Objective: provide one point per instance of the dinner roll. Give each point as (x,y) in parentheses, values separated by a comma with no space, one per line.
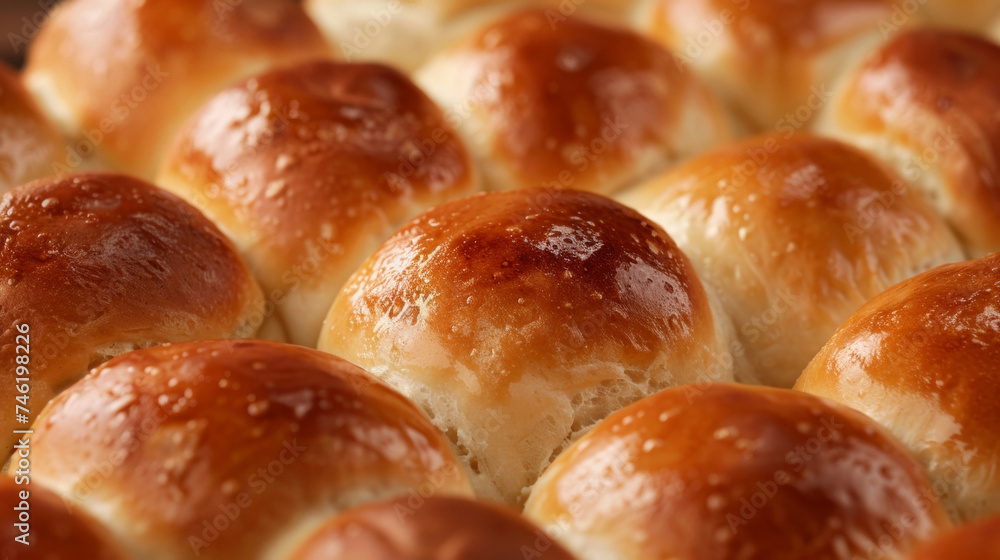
(30,148)
(309,168)
(120,76)
(980,541)
(231,449)
(38,526)
(577,104)
(718,472)
(794,232)
(926,103)
(516,320)
(439,528)
(775,61)
(405,33)
(93,265)
(921,360)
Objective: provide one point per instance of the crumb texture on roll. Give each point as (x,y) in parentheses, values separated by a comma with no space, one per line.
(38,525)
(573,103)
(775,61)
(438,528)
(519,319)
(120,76)
(926,103)
(230,449)
(30,148)
(100,264)
(794,233)
(921,359)
(405,33)
(309,168)
(721,471)
(979,540)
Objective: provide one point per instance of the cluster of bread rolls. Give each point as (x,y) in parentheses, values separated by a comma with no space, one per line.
(501,279)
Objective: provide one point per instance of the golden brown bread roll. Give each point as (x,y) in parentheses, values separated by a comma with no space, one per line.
(979,540)
(30,148)
(233,449)
(921,360)
(926,103)
(38,525)
(120,76)
(93,265)
(717,472)
(516,320)
(775,61)
(795,233)
(577,104)
(438,528)
(405,33)
(309,168)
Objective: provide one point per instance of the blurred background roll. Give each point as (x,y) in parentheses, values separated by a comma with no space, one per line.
(439,528)
(718,471)
(119,77)
(309,168)
(30,147)
(921,359)
(94,265)
(233,449)
(574,104)
(927,104)
(405,33)
(776,62)
(794,233)
(517,320)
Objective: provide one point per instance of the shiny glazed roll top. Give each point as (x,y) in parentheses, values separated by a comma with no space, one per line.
(440,528)
(94,265)
(719,471)
(575,103)
(233,449)
(921,359)
(309,169)
(795,233)
(516,320)
(926,103)
(120,76)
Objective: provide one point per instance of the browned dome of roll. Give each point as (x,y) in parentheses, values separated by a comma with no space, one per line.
(980,541)
(38,525)
(518,319)
(309,168)
(120,76)
(795,233)
(776,61)
(94,265)
(405,33)
(30,148)
(571,103)
(438,528)
(921,359)
(973,15)
(926,102)
(719,471)
(230,449)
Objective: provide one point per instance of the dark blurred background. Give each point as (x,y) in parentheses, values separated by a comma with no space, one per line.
(19,20)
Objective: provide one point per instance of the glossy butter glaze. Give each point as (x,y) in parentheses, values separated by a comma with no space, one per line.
(718,471)
(193,426)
